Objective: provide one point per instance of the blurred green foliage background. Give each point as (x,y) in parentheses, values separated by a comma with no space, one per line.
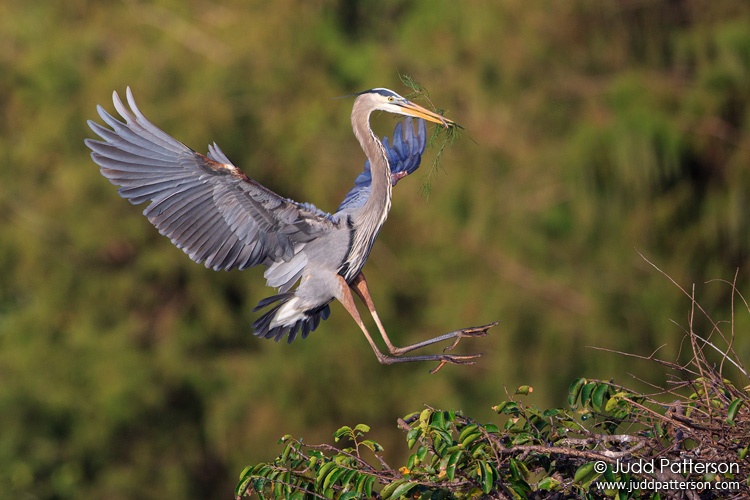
(599,129)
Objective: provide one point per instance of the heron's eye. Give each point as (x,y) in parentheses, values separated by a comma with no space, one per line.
(390,98)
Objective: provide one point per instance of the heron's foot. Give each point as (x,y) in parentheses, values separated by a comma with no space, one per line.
(473,331)
(452,359)
(396,354)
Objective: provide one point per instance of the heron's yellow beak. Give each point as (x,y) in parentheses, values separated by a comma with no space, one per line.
(411,109)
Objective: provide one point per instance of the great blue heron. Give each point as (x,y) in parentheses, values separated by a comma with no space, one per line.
(220,217)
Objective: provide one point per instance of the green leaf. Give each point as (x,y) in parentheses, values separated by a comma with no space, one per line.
(412,461)
(389,489)
(522,438)
(374,446)
(286,487)
(453,459)
(403,489)
(363,428)
(479,450)
(466,431)
(468,440)
(522,469)
(524,390)
(263,470)
(585,473)
(614,401)
(412,436)
(364,484)
(287,451)
(491,428)
(515,474)
(507,408)
(586,393)
(342,431)
(442,437)
(487,476)
(424,417)
(549,484)
(246,470)
(278,486)
(244,482)
(331,478)
(572,425)
(520,490)
(369,482)
(443,465)
(597,398)
(347,477)
(323,473)
(574,391)
(734,406)
(609,474)
(438,420)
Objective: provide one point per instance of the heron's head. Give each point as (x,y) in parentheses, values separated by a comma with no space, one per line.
(387,100)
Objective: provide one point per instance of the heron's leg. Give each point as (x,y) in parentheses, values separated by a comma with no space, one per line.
(345,297)
(359,285)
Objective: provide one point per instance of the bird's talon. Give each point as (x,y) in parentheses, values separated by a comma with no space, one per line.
(473,331)
(438,367)
(453,345)
(467,359)
(477,331)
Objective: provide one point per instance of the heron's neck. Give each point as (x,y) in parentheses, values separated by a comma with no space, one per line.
(369,218)
(375,210)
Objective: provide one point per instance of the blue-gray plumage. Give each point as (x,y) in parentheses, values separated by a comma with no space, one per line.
(404,158)
(223,219)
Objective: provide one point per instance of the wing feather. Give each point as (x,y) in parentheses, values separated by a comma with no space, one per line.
(203,204)
(404,156)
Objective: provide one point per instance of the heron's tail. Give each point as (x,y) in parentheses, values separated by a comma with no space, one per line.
(290,316)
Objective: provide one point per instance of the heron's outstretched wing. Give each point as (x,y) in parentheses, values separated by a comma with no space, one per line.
(404,157)
(204,204)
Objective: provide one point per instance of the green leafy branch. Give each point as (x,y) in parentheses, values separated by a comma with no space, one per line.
(313,471)
(533,450)
(701,416)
